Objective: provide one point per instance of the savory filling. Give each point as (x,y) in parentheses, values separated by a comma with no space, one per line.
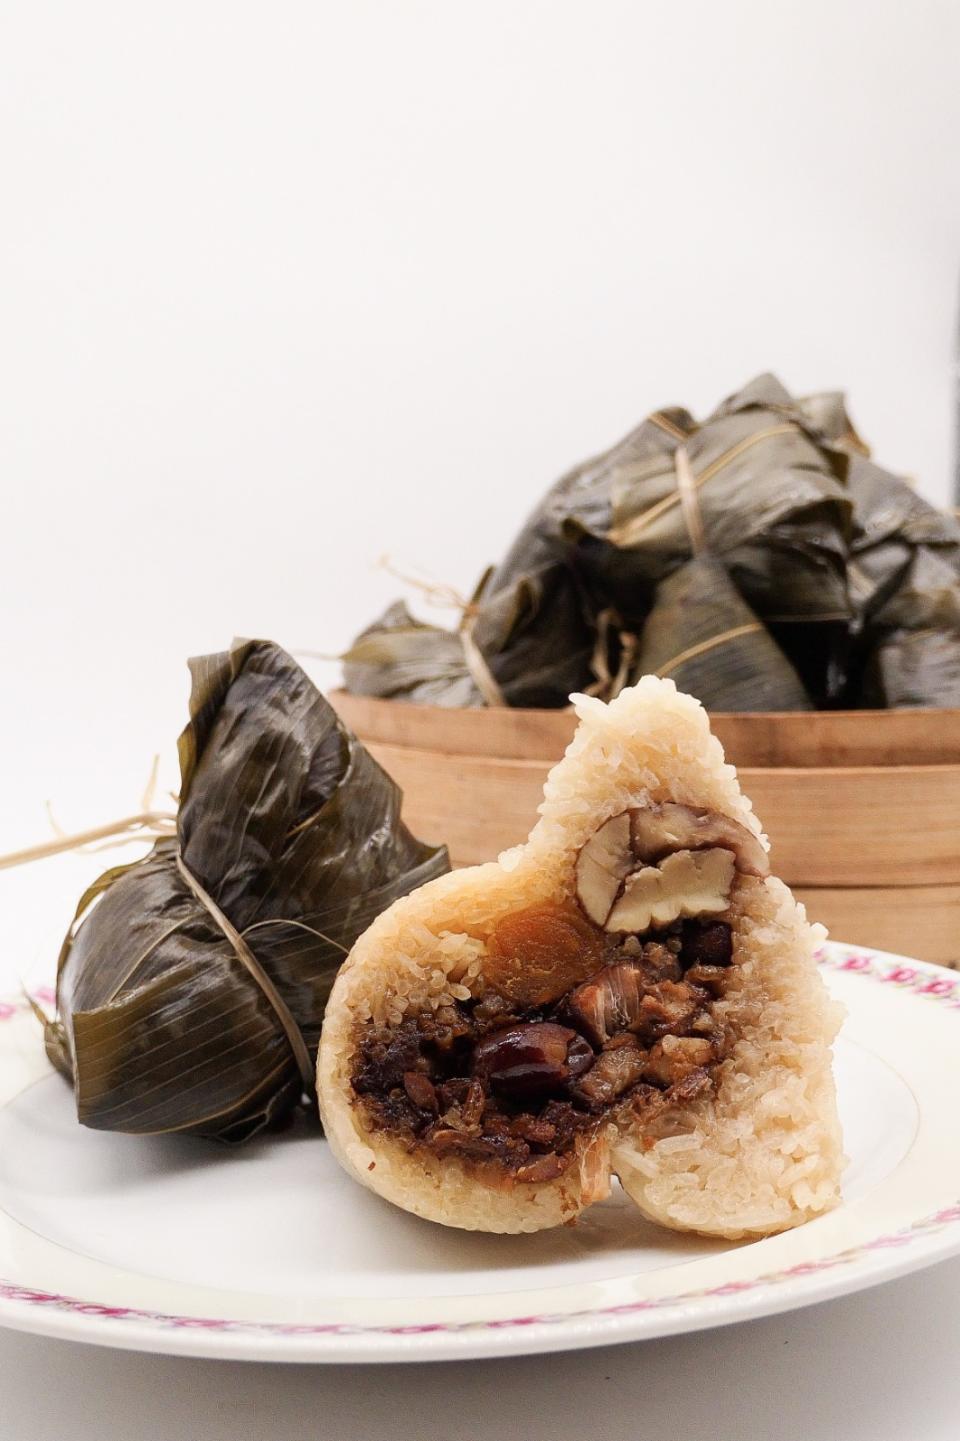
(598,1009)
(514,1083)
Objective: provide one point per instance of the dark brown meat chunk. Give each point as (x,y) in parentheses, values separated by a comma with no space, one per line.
(534,1130)
(634,995)
(421,1091)
(666,1008)
(566,1121)
(471,1107)
(446,1142)
(386,1057)
(453,1092)
(541,1168)
(622,1038)
(613,1072)
(712,979)
(396,1112)
(608,1002)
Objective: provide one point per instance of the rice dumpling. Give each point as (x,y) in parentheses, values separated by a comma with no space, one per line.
(525,644)
(703,635)
(192,985)
(775,494)
(629,993)
(911,641)
(890,523)
(401,656)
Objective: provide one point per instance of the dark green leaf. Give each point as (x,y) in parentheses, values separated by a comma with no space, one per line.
(532,637)
(703,635)
(911,641)
(814,537)
(295,833)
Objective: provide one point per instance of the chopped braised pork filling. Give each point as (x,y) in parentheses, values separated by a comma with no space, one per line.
(513,1082)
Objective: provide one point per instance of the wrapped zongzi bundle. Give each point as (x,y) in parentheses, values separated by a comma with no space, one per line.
(773,496)
(891,522)
(400,656)
(911,641)
(703,635)
(628,993)
(758,492)
(190,996)
(571,523)
(751,487)
(523,644)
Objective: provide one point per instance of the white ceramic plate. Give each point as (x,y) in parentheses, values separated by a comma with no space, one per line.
(270,1253)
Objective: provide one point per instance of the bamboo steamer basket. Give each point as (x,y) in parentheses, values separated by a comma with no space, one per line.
(862,807)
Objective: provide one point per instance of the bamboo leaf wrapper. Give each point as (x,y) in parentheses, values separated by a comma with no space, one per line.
(293,833)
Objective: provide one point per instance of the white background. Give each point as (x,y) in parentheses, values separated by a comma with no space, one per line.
(286,286)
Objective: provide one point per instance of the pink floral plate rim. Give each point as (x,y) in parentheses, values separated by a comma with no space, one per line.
(819,1279)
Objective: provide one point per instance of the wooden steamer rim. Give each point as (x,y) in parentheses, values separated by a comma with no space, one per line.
(830,739)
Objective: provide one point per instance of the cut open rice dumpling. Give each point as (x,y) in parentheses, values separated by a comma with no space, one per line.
(628,994)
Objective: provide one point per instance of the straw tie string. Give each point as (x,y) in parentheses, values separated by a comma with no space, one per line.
(246,957)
